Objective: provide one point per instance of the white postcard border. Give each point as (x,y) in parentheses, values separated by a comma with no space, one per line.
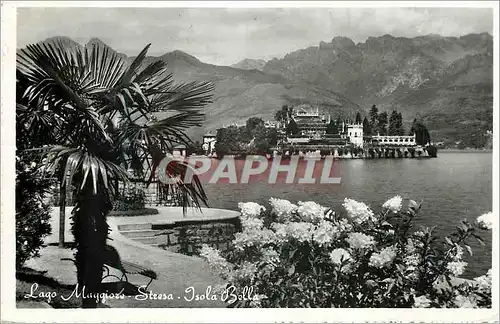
(9,311)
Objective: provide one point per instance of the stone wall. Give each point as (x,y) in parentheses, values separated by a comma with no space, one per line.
(187,239)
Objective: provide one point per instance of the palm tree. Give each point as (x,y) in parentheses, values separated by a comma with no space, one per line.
(101,112)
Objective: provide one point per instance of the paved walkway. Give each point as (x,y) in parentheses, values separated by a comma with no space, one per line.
(176,272)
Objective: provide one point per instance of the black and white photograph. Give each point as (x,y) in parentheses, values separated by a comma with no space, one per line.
(246,157)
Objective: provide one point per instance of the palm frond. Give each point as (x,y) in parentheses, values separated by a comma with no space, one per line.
(101,113)
(59,81)
(106,66)
(91,169)
(188,194)
(186,97)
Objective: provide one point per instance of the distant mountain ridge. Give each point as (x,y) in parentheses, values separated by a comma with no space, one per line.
(446,81)
(250,64)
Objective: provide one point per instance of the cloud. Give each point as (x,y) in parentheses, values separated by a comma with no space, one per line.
(226,36)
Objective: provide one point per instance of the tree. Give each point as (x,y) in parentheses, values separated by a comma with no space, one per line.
(374,118)
(253,122)
(228,140)
(358,118)
(393,123)
(422,136)
(367,130)
(332,128)
(382,123)
(292,128)
(99,120)
(284,114)
(399,125)
(339,125)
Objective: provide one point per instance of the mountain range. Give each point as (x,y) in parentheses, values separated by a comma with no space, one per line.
(447,82)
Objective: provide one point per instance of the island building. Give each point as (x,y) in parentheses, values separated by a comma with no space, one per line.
(397,140)
(271,124)
(313,125)
(209,141)
(310,122)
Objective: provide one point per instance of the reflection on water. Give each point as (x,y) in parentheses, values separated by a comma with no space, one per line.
(453,186)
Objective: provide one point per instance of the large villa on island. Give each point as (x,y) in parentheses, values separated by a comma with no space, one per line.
(313,128)
(312,135)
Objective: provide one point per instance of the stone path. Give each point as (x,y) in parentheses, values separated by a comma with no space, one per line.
(179,276)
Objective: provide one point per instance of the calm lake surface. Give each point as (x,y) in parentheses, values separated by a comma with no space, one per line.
(453,186)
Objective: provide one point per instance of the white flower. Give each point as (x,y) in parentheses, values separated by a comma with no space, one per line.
(324,233)
(270,256)
(411,260)
(459,251)
(215,260)
(421,302)
(342,226)
(360,241)
(301,231)
(269,259)
(394,204)
(456,268)
(383,258)
(246,271)
(412,204)
(250,209)
(311,211)
(358,211)
(464,302)
(280,231)
(339,255)
(483,283)
(419,234)
(33,165)
(253,237)
(485,221)
(252,223)
(282,208)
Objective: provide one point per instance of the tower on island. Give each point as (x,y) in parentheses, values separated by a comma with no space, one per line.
(355,134)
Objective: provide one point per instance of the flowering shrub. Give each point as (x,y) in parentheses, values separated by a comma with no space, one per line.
(32,211)
(130,199)
(306,255)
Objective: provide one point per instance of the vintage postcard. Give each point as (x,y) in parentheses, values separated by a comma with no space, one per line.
(238,162)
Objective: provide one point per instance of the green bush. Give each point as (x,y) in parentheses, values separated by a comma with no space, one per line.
(130,199)
(32,210)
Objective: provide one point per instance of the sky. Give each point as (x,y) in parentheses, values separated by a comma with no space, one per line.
(226,36)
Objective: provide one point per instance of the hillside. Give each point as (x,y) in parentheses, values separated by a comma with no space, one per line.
(446,81)
(240,93)
(250,64)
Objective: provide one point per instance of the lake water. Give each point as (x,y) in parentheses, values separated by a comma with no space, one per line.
(453,186)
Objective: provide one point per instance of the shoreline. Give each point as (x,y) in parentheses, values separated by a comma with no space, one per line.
(465,150)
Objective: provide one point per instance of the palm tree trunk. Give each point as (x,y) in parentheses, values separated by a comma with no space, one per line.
(62,213)
(90,230)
